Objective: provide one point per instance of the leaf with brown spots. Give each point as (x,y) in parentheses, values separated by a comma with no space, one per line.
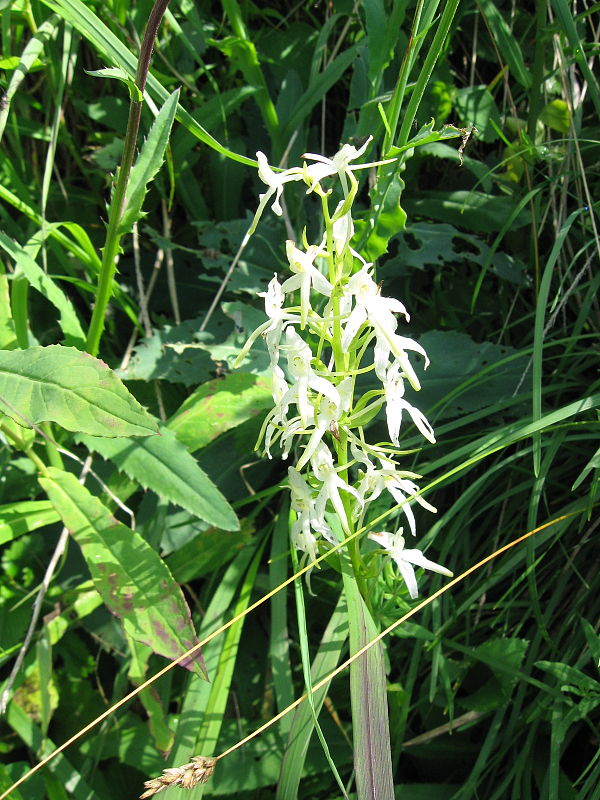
(135,584)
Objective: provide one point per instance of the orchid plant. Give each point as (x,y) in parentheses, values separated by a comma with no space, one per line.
(324,322)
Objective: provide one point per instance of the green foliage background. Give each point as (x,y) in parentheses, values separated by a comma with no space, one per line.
(496,259)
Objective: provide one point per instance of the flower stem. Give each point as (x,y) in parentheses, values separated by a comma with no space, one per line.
(112,243)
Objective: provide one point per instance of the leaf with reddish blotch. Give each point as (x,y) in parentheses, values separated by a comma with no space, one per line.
(135,584)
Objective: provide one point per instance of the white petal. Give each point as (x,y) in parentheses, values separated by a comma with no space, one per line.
(416,557)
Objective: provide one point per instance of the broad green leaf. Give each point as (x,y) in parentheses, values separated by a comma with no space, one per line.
(465,375)
(36,276)
(477,107)
(219,405)
(474,210)
(556,115)
(374,232)
(134,582)
(147,164)
(162,463)
(63,385)
(503,658)
(24,517)
(506,42)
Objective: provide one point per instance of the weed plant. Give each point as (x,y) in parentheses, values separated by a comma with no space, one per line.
(136,517)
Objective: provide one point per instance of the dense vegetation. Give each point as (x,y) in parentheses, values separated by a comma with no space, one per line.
(120,553)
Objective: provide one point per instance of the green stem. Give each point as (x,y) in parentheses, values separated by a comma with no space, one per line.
(113,234)
(537,72)
(431,58)
(18,300)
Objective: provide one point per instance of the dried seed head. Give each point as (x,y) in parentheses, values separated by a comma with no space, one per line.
(198,770)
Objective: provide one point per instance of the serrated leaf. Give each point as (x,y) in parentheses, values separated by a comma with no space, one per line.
(162,463)
(219,405)
(148,163)
(44,284)
(69,387)
(17,519)
(135,584)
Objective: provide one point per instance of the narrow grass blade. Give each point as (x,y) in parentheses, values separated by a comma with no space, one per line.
(301,730)
(538,341)
(304,648)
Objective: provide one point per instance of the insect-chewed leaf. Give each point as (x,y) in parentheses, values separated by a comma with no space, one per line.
(135,584)
(63,385)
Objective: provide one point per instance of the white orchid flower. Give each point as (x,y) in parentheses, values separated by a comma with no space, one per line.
(393,543)
(272,328)
(298,357)
(324,469)
(339,164)
(327,418)
(369,304)
(305,276)
(395,404)
(275,182)
(304,503)
(399,484)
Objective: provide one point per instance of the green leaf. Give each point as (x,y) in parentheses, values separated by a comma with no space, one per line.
(218,406)
(36,276)
(207,552)
(148,163)
(556,115)
(162,463)
(465,375)
(503,658)
(24,517)
(473,210)
(477,107)
(63,385)
(377,229)
(135,584)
